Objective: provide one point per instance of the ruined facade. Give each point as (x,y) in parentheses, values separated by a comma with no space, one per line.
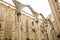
(14,27)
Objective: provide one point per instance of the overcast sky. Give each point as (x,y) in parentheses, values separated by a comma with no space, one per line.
(40,6)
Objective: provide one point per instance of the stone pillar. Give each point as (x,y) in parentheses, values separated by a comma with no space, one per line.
(55,12)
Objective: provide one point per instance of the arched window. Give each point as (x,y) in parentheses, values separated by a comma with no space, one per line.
(26,25)
(32,23)
(40,26)
(58,36)
(33,30)
(6,38)
(0,25)
(55,0)
(21,28)
(27,39)
(0,39)
(26,21)
(9,38)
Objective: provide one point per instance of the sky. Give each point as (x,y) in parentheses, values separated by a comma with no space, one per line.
(40,6)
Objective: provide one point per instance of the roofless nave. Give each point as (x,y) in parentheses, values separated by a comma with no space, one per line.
(15,25)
